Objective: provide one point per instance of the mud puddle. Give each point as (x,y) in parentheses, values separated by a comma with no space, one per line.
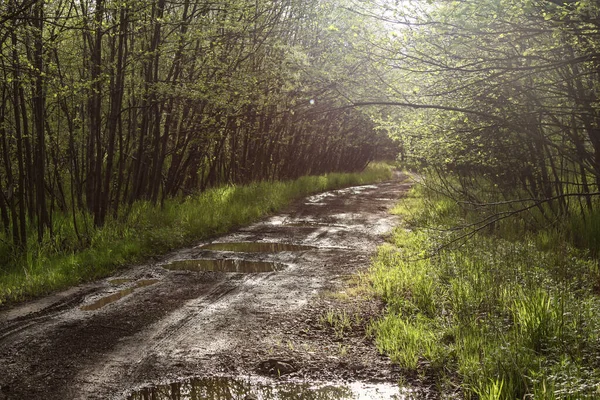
(118,295)
(224,388)
(119,281)
(226,265)
(256,247)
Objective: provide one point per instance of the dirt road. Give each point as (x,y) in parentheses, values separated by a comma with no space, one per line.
(259,310)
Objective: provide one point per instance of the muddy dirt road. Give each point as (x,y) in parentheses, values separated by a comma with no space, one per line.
(272,309)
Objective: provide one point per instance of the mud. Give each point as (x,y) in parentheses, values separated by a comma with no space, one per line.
(204,323)
(256,247)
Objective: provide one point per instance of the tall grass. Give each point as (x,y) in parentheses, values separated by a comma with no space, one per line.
(498,318)
(66,260)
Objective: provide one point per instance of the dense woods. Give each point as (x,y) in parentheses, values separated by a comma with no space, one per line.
(107,102)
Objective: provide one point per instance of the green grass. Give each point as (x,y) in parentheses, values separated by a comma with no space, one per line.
(339,321)
(63,260)
(496,317)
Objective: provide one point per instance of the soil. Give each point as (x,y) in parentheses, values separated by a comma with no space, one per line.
(305,319)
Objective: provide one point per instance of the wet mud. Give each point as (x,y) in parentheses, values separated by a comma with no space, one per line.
(221,309)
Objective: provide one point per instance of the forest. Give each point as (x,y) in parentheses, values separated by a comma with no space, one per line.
(105,103)
(110,108)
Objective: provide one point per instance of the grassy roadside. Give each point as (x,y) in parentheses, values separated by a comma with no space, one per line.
(496,318)
(151,231)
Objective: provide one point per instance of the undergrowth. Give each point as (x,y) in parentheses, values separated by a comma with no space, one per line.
(63,261)
(502,316)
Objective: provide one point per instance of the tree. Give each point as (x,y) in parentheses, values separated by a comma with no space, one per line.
(501,89)
(108,102)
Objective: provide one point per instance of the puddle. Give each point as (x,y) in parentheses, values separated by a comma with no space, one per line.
(256,247)
(108,299)
(227,265)
(117,282)
(118,295)
(222,388)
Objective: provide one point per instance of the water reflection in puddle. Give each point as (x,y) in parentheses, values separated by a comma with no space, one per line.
(119,281)
(226,265)
(118,295)
(222,388)
(256,247)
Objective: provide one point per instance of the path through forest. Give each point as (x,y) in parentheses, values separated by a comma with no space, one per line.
(282,316)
